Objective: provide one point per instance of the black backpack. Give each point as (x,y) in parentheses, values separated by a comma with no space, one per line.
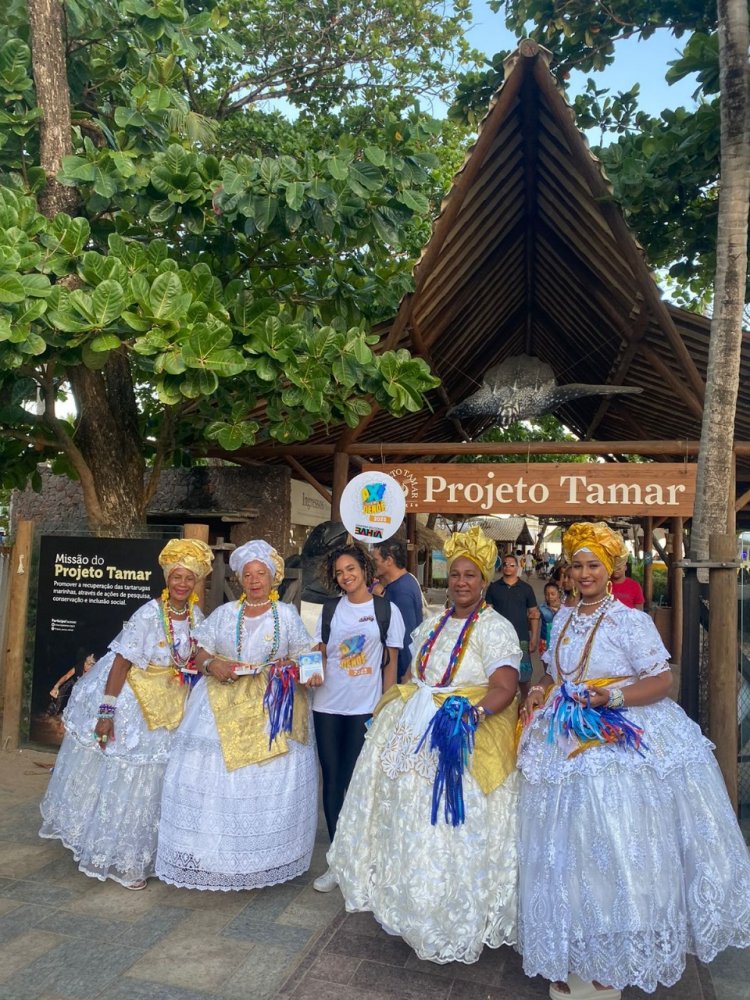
(382,616)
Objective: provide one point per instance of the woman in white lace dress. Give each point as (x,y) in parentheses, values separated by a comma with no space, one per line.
(104,794)
(240,803)
(442,877)
(630,853)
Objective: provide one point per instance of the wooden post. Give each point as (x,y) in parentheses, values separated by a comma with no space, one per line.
(677,605)
(722,657)
(199,532)
(15,651)
(411,543)
(648,569)
(340,479)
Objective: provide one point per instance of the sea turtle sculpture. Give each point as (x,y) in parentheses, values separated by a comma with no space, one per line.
(523,387)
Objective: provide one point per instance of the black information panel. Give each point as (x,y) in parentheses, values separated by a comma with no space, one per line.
(87,588)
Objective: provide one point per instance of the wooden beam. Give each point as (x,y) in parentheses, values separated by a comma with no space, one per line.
(530,127)
(612,214)
(677,576)
(411,543)
(524,448)
(15,639)
(619,375)
(340,479)
(648,569)
(308,477)
(742,501)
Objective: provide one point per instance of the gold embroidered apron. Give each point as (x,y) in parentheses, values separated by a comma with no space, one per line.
(161,695)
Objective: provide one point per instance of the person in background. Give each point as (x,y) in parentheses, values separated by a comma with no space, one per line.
(515,600)
(402,589)
(528,564)
(547,612)
(624,587)
(62,689)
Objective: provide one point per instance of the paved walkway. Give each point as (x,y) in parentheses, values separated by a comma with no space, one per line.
(67,937)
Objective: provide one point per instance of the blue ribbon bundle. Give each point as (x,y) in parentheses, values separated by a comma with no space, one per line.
(278,701)
(451,731)
(573,721)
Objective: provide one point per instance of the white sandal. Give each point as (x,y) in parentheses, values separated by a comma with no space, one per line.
(135,886)
(579,989)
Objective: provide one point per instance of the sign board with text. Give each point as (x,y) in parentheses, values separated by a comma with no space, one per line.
(87,588)
(586,490)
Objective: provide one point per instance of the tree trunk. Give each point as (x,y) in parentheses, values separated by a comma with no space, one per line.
(715,461)
(47,24)
(109,439)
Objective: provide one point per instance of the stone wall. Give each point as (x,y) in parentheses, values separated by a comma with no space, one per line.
(183,495)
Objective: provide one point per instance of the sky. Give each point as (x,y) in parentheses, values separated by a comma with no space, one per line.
(635,62)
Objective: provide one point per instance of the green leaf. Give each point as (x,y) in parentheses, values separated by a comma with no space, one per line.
(105,342)
(338,169)
(375,155)
(11,289)
(106,303)
(165,296)
(208,349)
(33,344)
(295,195)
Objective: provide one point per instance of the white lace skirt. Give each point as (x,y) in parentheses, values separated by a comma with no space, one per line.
(447,891)
(239,829)
(104,807)
(626,863)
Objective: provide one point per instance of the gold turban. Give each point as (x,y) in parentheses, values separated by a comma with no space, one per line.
(475,545)
(189,553)
(604,543)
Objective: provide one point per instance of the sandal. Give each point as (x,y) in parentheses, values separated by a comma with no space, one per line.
(579,989)
(135,886)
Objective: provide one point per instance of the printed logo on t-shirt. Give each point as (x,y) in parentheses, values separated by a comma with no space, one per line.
(352,656)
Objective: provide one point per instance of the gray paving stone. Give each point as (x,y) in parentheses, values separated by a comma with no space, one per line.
(79,925)
(318,989)
(80,969)
(153,926)
(405,984)
(137,989)
(23,918)
(35,892)
(391,950)
(246,928)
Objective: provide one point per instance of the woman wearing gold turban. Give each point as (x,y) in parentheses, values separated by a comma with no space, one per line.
(630,853)
(104,796)
(240,800)
(426,839)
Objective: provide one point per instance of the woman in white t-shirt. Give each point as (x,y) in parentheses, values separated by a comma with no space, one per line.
(355,677)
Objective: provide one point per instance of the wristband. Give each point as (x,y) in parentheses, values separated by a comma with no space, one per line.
(109,699)
(616,698)
(539,688)
(206,664)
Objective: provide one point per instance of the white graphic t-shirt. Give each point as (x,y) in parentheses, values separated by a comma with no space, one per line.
(353,681)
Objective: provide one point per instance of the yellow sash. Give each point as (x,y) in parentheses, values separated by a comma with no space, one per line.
(242,723)
(160,694)
(494,754)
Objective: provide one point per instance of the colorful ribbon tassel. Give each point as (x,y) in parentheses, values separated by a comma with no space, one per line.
(580,725)
(278,700)
(451,732)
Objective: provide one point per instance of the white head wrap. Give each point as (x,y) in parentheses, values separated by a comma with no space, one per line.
(260,551)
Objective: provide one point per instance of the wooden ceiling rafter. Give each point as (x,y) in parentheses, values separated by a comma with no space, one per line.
(530,106)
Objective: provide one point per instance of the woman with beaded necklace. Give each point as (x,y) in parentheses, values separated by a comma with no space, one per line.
(104,795)
(630,853)
(240,801)
(431,853)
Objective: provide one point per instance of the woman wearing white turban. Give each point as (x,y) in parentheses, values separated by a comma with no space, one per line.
(104,795)
(239,808)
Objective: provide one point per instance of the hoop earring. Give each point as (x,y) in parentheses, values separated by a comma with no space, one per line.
(610,588)
(574,592)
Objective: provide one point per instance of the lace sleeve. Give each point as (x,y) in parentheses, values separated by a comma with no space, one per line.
(499,644)
(207,633)
(136,641)
(648,653)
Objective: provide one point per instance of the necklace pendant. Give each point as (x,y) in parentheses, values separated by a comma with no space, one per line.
(267,638)
(566,640)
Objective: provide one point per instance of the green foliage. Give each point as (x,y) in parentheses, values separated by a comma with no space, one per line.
(236,257)
(547,428)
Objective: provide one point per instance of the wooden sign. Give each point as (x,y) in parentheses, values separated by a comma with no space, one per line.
(596,489)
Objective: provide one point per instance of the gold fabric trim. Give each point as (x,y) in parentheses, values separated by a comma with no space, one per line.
(161,695)
(242,723)
(494,754)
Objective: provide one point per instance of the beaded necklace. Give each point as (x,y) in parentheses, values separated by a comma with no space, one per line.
(578,673)
(458,650)
(180,662)
(239,635)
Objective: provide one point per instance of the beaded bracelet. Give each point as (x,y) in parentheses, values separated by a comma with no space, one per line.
(106,712)
(109,699)
(616,698)
(537,687)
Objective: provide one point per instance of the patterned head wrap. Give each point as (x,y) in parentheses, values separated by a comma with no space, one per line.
(189,553)
(475,545)
(260,551)
(603,543)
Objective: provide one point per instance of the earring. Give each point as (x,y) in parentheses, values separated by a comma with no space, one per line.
(574,591)
(610,588)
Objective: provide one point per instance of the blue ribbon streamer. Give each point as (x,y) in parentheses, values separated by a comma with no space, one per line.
(582,723)
(451,731)
(278,701)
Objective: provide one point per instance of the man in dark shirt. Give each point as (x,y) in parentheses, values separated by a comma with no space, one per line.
(515,600)
(401,589)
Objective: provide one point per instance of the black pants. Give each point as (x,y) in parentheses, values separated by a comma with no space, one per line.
(339,739)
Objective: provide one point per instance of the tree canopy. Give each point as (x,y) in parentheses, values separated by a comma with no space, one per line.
(218,264)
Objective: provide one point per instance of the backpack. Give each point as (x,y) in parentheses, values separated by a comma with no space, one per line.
(382,616)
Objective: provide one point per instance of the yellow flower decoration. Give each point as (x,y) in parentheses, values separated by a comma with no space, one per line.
(475,545)
(596,536)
